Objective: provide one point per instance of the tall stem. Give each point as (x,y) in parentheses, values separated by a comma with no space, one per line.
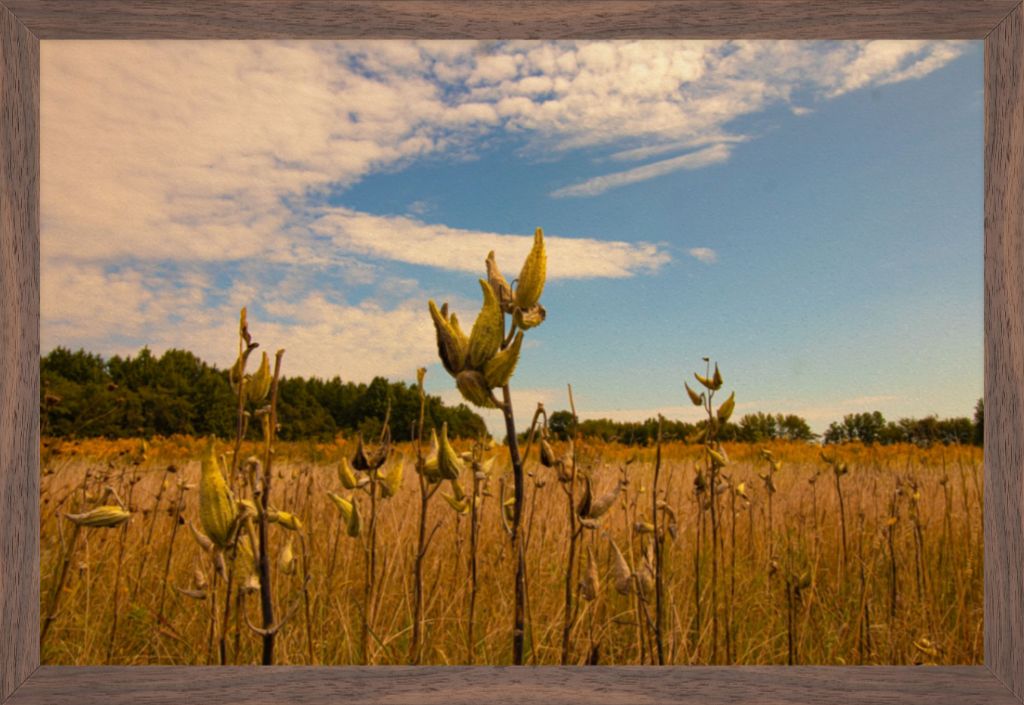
(519,615)
(266,599)
(659,544)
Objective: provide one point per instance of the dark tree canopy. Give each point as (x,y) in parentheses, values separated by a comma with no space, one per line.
(83,395)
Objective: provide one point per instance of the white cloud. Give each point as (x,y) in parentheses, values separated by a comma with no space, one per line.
(704,254)
(172,170)
(599,184)
(415,242)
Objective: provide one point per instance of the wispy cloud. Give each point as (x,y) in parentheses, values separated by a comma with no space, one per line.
(412,241)
(715,154)
(704,254)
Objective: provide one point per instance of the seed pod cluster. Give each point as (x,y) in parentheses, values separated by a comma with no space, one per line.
(485,360)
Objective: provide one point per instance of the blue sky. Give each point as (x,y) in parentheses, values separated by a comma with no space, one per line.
(808,214)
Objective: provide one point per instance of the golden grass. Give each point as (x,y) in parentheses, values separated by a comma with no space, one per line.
(841,616)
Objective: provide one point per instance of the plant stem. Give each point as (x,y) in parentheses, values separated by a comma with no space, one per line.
(519,614)
(266,598)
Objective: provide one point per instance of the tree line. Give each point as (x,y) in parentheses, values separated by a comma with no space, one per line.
(84,395)
(868,428)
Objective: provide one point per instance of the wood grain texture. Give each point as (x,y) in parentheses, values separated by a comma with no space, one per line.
(1004,352)
(452,685)
(19,353)
(323,19)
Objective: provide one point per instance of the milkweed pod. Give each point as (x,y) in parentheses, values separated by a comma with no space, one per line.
(217,510)
(591,581)
(392,479)
(457,491)
(498,283)
(246,553)
(716,379)
(355,521)
(486,468)
(430,464)
(101,517)
(530,317)
(623,575)
(583,508)
(251,585)
(697,399)
(202,540)
(347,475)
(449,464)
(530,284)
(449,344)
(716,457)
(460,506)
(343,505)
(599,507)
(643,527)
(741,490)
(499,369)
(547,454)
(704,381)
(286,560)
(235,374)
(727,407)
(766,454)
(199,581)
(246,507)
(508,507)
(285,519)
(360,460)
(474,389)
(259,384)
(194,594)
(486,336)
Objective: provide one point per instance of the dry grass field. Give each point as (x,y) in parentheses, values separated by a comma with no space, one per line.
(878,565)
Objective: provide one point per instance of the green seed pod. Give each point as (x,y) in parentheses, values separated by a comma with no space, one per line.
(217,509)
(716,380)
(499,368)
(449,345)
(529,318)
(704,380)
(457,491)
(344,506)
(347,475)
(258,385)
(697,399)
(727,407)
(498,283)
(285,519)
(508,508)
(355,522)
(449,464)
(716,457)
(101,517)
(460,506)
(286,560)
(486,336)
(474,389)
(530,284)
(391,481)
(430,464)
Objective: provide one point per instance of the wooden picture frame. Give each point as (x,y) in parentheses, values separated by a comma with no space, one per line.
(23,23)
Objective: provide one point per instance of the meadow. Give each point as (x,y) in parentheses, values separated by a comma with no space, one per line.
(861,555)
